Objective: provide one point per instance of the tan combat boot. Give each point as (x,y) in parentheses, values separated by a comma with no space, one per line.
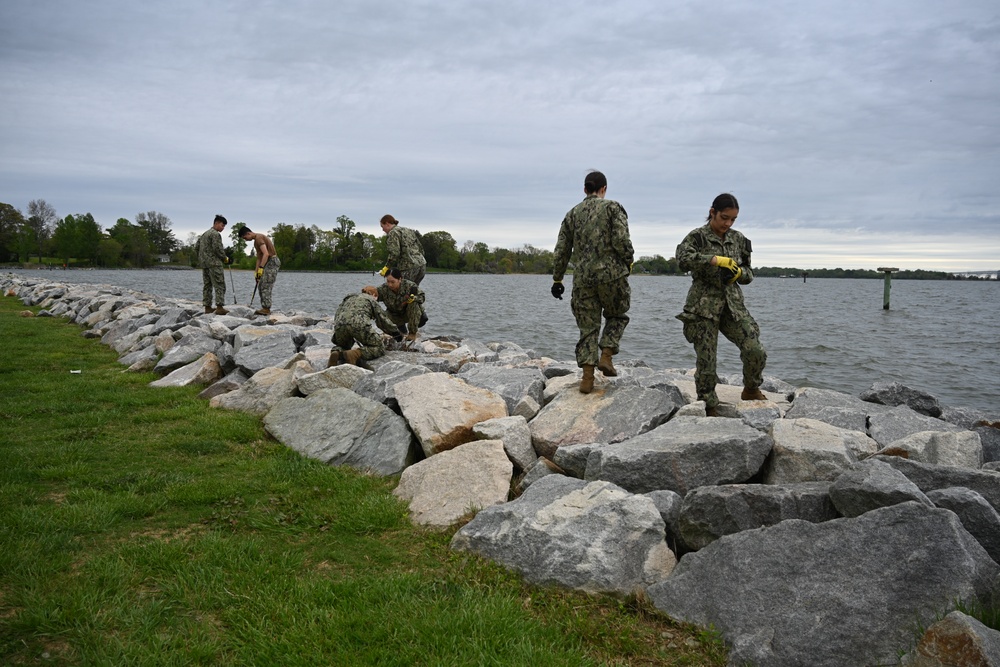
(208,309)
(352,356)
(587,383)
(605,365)
(221,311)
(752,394)
(262,311)
(334,358)
(712,411)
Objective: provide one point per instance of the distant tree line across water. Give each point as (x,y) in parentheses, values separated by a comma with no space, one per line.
(77,240)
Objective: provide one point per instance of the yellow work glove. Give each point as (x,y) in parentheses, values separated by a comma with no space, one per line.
(225,260)
(724,262)
(729,270)
(259,273)
(385,270)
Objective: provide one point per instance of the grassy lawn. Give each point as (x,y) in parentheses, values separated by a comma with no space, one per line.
(138,526)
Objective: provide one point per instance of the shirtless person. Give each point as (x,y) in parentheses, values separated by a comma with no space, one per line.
(267,266)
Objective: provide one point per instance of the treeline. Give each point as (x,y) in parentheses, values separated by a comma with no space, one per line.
(78,240)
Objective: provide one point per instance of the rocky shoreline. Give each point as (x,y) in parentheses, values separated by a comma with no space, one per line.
(813,528)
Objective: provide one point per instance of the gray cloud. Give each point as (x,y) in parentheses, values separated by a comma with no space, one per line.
(853,135)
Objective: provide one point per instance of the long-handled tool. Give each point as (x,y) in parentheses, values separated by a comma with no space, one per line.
(233,284)
(254,295)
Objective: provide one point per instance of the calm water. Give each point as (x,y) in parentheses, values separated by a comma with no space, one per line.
(941,336)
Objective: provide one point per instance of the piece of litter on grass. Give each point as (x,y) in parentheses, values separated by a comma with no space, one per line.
(76,372)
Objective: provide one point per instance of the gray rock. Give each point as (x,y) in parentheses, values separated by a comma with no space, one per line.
(184,351)
(960,449)
(231,382)
(681,455)
(441,409)
(273,350)
(977,515)
(260,393)
(807,450)
(895,393)
(992,466)
(542,467)
(758,414)
(443,489)
(344,376)
(515,435)
(965,417)
(841,592)
(929,477)
(594,537)
(338,427)
(833,407)
(573,458)
(669,504)
(381,385)
(146,354)
(527,407)
(172,316)
(512,384)
(901,421)
(709,512)
(989,435)
(606,415)
(872,484)
(203,371)
(957,640)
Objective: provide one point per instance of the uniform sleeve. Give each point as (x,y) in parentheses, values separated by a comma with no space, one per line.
(217,249)
(621,242)
(382,320)
(688,254)
(747,276)
(393,246)
(564,249)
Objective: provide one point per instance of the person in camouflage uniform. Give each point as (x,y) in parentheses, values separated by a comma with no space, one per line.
(211,257)
(353,323)
(404,303)
(719,261)
(267,265)
(405,251)
(595,234)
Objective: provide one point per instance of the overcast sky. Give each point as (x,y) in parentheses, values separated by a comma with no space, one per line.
(855,134)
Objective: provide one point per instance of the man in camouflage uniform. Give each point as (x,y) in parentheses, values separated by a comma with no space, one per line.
(211,257)
(595,234)
(719,261)
(405,251)
(404,303)
(353,323)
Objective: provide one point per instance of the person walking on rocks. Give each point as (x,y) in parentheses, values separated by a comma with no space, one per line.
(404,303)
(405,251)
(353,324)
(211,257)
(595,234)
(266,270)
(718,258)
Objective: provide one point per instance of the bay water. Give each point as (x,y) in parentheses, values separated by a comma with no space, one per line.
(939,336)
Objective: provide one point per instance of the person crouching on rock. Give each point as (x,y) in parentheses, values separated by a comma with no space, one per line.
(404,303)
(353,324)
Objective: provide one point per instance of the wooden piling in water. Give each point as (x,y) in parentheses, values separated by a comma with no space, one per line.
(888,283)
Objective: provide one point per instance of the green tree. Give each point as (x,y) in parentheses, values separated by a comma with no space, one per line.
(136,248)
(41,219)
(440,250)
(77,237)
(11,224)
(109,252)
(157,228)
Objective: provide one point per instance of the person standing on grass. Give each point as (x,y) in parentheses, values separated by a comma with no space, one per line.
(211,257)
(405,250)
(718,258)
(266,271)
(595,234)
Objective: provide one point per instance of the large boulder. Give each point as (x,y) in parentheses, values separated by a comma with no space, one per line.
(442,409)
(709,512)
(260,393)
(961,449)
(957,640)
(898,422)
(189,348)
(338,427)
(871,484)
(928,477)
(841,592)
(264,352)
(681,455)
(343,375)
(833,407)
(593,537)
(513,384)
(381,385)
(611,414)
(515,435)
(443,489)
(203,371)
(896,393)
(807,450)
(977,515)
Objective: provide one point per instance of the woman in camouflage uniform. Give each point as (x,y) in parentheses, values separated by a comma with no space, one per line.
(718,258)
(404,302)
(405,250)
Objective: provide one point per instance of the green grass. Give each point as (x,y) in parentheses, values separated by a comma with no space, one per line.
(139,526)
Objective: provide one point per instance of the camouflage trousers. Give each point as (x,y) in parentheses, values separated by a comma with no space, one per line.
(369,340)
(411,317)
(414,273)
(703,333)
(266,283)
(213,280)
(591,302)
